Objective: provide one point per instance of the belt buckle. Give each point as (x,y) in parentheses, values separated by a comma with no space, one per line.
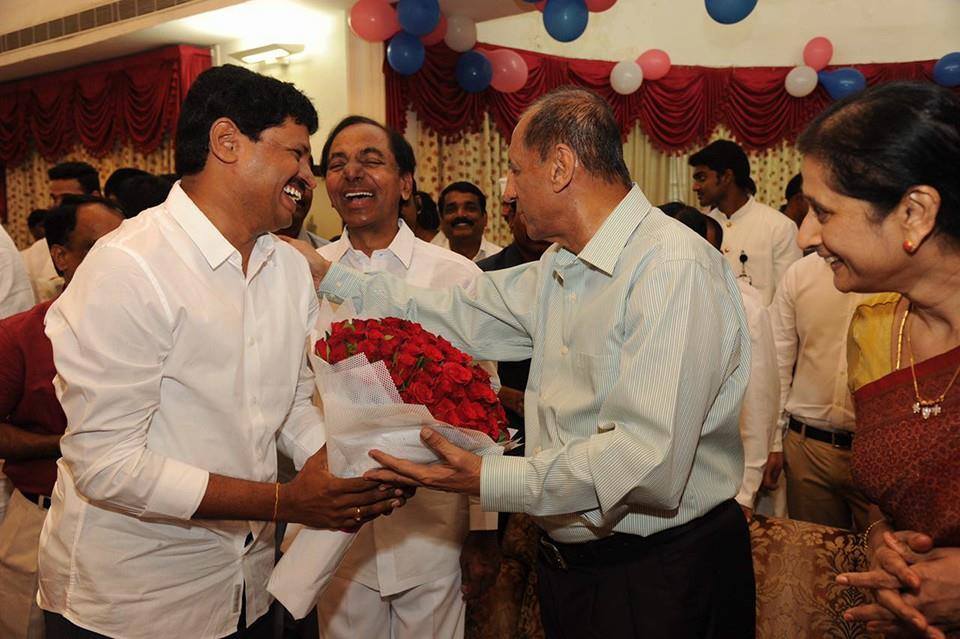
(553,553)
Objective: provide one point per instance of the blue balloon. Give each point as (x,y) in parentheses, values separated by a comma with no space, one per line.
(418,17)
(474,71)
(946,72)
(730,11)
(405,53)
(565,20)
(842,82)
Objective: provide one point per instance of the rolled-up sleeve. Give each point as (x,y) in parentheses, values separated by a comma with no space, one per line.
(111,331)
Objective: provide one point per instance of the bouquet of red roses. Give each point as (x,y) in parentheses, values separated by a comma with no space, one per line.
(425,368)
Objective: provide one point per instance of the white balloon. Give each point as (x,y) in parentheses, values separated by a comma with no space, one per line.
(801,81)
(461,33)
(626,77)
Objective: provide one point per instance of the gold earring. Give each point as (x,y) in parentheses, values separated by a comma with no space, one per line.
(909,246)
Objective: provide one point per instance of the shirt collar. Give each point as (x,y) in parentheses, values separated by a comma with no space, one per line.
(739,213)
(208,239)
(604,248)
(401,245)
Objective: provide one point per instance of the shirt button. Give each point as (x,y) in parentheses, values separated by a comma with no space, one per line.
(573,297)
(253,400)
(338,284)
(564,350)
(729,224)
(251,342)
(726,250)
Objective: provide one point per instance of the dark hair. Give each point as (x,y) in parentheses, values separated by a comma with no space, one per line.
(36,217)
(252,101)
(687,215)
(722,155)
(794,186)
(119,176)
(717,228)
(427,215)
(583,120)
(83,173)
(879,143)
(463,187)
(401,149)
(141,192)
(62,220)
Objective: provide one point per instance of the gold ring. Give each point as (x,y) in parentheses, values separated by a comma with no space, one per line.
(357,516)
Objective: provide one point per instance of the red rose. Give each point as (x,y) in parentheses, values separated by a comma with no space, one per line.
(457,373)
(420,393)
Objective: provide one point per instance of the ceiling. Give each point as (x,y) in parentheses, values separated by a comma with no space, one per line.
(209,23)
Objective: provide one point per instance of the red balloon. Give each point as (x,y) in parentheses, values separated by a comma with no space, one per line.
(439,31)
(509,70)
(817,53)
(600,5)
(655,64)
(540,5)
(373,20)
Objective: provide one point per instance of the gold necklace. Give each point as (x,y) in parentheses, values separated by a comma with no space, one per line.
(926,408)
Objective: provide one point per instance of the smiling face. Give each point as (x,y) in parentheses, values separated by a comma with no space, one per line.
(363,180)
(275,175)
(462,217)
(863,251)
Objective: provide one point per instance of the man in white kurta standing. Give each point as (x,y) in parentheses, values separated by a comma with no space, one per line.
(179,348)
(401,578)
(758,241)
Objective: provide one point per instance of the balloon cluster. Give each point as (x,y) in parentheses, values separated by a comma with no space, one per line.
(803,79)
(627,75)
(566,20)
(415,24)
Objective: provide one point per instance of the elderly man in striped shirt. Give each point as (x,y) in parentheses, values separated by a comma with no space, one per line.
(640,356)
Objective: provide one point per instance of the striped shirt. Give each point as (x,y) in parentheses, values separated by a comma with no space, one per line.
(640,355)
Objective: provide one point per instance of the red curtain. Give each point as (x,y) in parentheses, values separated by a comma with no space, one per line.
(677,112)
(135,98)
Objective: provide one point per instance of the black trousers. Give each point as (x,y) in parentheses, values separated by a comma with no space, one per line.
(692,582)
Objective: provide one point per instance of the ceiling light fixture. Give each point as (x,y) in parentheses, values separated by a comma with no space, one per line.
(268,53)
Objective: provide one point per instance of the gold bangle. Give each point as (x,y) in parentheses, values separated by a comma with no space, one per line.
(865,538)
(276,501)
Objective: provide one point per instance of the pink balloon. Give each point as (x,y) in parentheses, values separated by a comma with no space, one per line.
(655,64)
(817,53)
(436,36)
(373,20)
(509,70)
(600,5)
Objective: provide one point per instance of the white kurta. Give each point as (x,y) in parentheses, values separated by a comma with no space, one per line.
(420,542)
(16,294)
(768,239)
(761,400)
(44,279)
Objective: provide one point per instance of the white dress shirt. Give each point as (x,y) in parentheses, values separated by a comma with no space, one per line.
(640,356)
(420,542)
(766,236)
(172,364)
(16,294)
(810,318)
(761,400)
(44,279)
(487,248)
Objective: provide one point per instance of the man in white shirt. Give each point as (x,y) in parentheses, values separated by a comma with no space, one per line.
(16,293)
(810,318)
(463,219)
(758,241)
(401,577)
(179,347)
(44,279)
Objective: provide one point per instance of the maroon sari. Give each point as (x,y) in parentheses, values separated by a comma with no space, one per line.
(909,466)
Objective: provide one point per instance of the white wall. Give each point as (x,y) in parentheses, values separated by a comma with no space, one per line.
(773,35)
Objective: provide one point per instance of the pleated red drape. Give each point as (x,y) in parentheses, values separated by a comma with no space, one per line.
(677,112)
(135,98)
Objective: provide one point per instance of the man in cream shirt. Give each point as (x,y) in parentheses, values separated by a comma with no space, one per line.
(401,578)
(758,241)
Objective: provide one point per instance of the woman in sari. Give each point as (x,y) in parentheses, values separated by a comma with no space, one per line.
(881,171)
